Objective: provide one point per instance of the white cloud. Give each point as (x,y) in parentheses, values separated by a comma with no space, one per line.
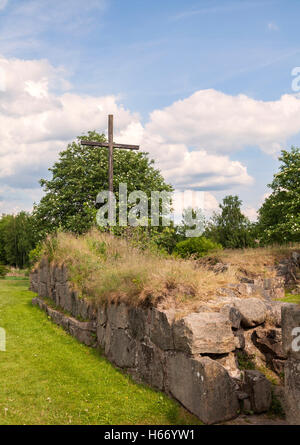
(3,4)
(35,123)
(191,140)
(250,212)
(37,89)
(215,121)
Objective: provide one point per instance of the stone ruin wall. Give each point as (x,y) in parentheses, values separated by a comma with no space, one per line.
(291,346)
(193,359)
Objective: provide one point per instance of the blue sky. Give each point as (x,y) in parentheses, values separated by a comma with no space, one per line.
(147,56)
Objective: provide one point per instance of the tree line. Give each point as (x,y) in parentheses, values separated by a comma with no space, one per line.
(81,171)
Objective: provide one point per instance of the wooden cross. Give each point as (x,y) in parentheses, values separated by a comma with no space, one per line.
(110,145)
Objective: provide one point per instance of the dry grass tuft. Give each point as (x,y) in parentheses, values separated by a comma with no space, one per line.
(260,261)
(107,268)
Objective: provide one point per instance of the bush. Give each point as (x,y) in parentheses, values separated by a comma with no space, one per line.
(36,254)
(196,247)
(3,271)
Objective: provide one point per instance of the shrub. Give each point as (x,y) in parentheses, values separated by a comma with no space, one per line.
(196,247)
(3,271)
(36,254)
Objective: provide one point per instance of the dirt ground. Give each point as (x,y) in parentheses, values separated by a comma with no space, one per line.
(262,419)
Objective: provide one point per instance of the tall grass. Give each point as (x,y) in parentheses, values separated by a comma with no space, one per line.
(259,260)
(108,268)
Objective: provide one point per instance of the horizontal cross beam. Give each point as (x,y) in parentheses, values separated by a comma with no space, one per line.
(106,145)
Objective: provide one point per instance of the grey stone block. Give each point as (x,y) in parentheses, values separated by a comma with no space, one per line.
(291,330)
(259,390)
(292,391)
(150,365)
(233,314)
(121,349)
(203,386)
(117,315)
(253,311)
(137,322)
(84,332)
(161,324)
(204,333)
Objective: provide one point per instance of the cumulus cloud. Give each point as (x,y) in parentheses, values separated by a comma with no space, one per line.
(222,123)
(191,140)
(35,123)
(250,212)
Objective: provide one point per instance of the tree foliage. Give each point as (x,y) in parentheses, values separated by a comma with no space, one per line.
(17,238)
(80,174)
(230,227)
(279,216)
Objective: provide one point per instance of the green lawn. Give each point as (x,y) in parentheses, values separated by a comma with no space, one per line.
(290,298)
(47,377)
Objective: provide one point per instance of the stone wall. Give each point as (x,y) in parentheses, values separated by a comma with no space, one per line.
(291,346)
(192,358)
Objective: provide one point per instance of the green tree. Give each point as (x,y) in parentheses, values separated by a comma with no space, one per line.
(80,174)
(279,216)
(231,228)
(17,238)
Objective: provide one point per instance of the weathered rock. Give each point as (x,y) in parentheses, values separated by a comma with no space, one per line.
(83,331)
(278,293)
(64,296)
(291,330)
(251,350)
(296,258)
(150,365)
(101,315)
(229,361)
(259,390)
(107,338)
(204,333)
(247,408)
(40,303)
(245,288)
(203,386)
(101,326)
(117,315)
(101,333)
(43,270)
(278,365)
(33,280)
(122,348)
(239,339)
(233,314)
(42,289)
(273,283)
(269,341)
(56,316)
(274,312)
(137,320)
(253,311)
(161,328)
(292,391)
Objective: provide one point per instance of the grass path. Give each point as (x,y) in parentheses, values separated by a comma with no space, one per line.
(47,377)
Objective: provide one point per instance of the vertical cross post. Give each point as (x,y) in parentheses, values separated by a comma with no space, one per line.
(110,164)
(110,145)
